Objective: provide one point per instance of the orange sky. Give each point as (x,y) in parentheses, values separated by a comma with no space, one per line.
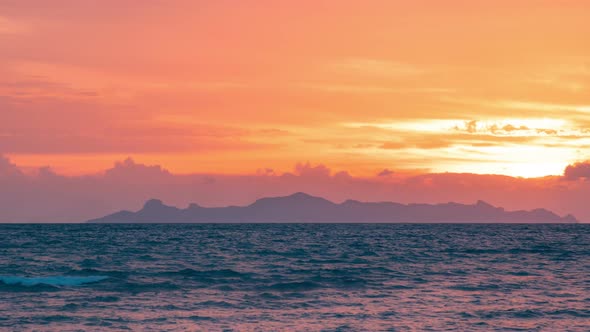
(492,87)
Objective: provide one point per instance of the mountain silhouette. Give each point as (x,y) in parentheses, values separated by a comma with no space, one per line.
(301,207)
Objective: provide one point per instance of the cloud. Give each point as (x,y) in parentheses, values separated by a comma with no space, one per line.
(580,170)
(522,128)
(525,105)
(377,67)
(12,27)
(265,171)
(420,142)
(55,125)
(8,169)
(385,172)
(129,169)
(307,170)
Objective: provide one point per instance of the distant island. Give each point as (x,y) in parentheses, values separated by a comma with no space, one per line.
(304,208)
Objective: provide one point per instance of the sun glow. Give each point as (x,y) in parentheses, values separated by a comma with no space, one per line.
(522,147)
(269,86)
(512,126)
(517,160)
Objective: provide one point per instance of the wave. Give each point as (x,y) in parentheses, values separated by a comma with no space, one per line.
(89,272)
(224,273)
(536,313)
(104,299)
(136,288)
(220,304)
(56,281)
(295,286)
(199,318)
(340,282)
(475,288)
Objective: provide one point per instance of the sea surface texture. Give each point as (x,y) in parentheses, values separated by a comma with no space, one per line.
(295,277)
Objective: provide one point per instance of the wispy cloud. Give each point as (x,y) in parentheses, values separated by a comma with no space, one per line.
(376,67)
(377,89)
(529,127)
(520,105)
(526,105)
(12,27)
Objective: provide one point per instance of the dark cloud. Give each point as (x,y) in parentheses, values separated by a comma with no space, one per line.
(312,171)
(8,169)
(128,169)
(385,172)
(577,171)
(265,171)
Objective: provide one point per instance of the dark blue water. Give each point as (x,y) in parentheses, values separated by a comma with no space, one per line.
(295,277)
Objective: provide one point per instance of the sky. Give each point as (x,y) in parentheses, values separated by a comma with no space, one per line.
(243,89)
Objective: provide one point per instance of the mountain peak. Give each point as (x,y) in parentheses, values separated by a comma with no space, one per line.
(300,194)
(194,206)
(303,196)
(483,203)
(302,207)
(153,203)
(295,200)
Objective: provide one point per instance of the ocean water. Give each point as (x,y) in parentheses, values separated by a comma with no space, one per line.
(295,277)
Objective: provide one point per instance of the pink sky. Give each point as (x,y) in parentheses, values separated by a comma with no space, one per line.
(215,86)
(435,91)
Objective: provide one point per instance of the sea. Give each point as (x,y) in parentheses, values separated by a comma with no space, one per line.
(294,277)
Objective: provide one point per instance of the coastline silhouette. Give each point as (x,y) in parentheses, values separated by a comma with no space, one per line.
(304,208)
